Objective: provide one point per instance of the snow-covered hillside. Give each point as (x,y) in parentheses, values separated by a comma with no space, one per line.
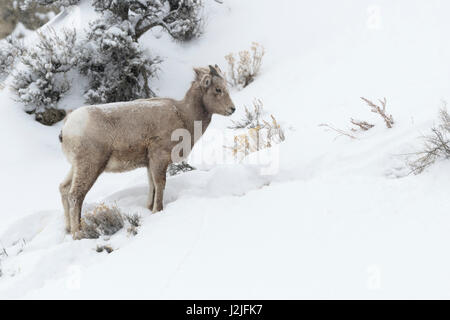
(338,218)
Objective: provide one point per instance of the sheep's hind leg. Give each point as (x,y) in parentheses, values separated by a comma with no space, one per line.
(151,189)
(83,179)
(64,189)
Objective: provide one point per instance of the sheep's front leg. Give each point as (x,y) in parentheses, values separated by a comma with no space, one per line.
(151,189)
(158,169)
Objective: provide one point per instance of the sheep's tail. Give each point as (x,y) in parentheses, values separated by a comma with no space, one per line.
(64,120)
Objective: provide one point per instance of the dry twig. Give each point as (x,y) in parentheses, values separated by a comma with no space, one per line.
(388,119)
(339,131)
(363,125)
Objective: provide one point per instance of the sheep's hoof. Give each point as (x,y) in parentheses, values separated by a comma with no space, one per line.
(76,235)
(156,210)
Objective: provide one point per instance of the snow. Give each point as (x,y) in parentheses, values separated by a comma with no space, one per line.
(336,218)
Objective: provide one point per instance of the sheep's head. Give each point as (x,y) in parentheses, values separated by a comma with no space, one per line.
(216,97)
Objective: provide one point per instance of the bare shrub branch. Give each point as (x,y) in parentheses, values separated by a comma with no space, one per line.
(363,125)
(388,119)
(339,131)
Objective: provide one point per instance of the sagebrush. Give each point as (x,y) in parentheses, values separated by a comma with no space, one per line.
(106,220)
(115,65)
(243,70)
(43,80)
(257,132)
(134,220)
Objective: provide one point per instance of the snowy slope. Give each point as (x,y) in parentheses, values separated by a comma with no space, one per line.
(340,218)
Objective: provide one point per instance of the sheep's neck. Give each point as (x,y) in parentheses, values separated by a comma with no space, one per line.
(192,110)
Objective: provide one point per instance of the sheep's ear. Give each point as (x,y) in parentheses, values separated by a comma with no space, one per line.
(199,72)
(206,81)
(218,69)
(213,71)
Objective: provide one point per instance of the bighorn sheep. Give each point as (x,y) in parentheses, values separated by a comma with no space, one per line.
(122,136)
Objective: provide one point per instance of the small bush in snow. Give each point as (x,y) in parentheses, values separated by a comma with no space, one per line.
(436,145)
(10,49)
(43,80)
(257,133)
(115,65)
(103,220)
(134,221)
(176,168)
(241,73)
(106,220)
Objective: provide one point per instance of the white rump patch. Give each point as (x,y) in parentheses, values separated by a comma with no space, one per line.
(76,122)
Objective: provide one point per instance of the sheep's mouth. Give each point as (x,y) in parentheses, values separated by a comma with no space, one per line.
(230,111)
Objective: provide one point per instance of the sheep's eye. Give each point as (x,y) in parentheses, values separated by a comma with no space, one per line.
(218,90)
